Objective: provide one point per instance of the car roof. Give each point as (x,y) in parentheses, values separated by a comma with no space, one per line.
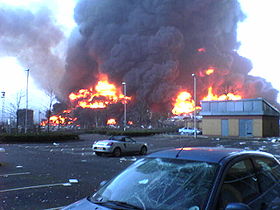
(208,154)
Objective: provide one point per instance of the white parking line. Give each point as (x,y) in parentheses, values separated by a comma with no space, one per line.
(36,186)
(14,174)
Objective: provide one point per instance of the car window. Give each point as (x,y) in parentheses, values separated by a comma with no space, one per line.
(268,172)
(127,139)
(239,184)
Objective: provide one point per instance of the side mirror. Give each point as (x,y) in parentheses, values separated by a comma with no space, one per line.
(237,206)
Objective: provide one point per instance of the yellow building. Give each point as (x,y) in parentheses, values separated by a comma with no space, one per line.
(244,118)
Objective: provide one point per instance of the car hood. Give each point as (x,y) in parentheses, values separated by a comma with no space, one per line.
(84,204)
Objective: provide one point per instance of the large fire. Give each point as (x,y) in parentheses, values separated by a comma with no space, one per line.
(100,96)
(59,120)
(184,103)
(213,97)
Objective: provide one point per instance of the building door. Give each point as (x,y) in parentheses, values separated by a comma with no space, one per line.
(245,127)
(225,128)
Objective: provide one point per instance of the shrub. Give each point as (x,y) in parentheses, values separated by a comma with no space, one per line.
(44,137)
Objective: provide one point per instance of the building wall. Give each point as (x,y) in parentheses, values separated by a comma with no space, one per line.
(258,127)
(233,127)
(211,127)
(263,126)
(270,126)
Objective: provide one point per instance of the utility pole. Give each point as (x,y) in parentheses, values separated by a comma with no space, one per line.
(26,108)
(3,106)
(124,104)
(194,113)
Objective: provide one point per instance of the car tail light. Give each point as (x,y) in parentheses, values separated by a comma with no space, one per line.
(110,144)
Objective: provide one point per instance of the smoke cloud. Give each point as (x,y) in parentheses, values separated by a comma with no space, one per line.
(156,45)
(33,39)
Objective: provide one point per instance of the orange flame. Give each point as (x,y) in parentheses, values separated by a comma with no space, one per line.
(183,104)
(228,96)
(209,71)
(111,122)
(56,120)
(103,94)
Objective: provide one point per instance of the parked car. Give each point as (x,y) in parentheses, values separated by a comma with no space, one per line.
(193,178)
(189,131)
(118,145)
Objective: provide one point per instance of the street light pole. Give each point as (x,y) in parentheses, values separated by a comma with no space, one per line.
(194,113)
(26,108)
(3,106)
(124,106)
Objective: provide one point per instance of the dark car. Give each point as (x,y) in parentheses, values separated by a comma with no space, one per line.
(193,178)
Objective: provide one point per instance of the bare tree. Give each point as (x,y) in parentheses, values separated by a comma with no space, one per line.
(52,99)
(14,106)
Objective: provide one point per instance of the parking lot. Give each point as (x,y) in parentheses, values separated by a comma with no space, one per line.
(49,176)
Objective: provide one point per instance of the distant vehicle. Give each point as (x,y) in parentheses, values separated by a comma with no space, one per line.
(189,131)
(117,145)
(193,178)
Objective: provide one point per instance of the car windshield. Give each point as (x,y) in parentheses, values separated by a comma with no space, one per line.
(156,183)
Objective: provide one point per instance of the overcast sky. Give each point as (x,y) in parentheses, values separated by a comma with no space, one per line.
(259,36)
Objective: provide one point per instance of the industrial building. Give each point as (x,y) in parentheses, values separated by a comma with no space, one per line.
(23,115)
(244,118)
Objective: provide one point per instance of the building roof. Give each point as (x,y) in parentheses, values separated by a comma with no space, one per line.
(243,107)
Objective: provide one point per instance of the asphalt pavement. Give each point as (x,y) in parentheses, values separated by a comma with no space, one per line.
(51,175)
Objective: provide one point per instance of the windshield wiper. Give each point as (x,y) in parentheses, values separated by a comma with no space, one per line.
(117,204)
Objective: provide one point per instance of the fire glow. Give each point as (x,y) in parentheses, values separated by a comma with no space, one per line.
(207,72)
(213,97)
(101,96)
(59,120)
(184,103)
(111,121)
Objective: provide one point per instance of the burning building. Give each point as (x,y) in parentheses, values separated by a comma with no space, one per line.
(154,46)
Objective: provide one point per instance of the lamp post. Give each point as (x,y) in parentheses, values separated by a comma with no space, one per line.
(3,106)
(124,106)
(26,108)
(194,113)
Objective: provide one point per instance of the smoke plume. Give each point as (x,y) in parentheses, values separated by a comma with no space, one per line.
(156,45)
(32,39)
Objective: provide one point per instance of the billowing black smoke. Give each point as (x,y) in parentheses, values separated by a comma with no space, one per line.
(156,45)
(32,39)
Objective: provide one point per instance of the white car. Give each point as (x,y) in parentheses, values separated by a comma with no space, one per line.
(189,131)
(116,145)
